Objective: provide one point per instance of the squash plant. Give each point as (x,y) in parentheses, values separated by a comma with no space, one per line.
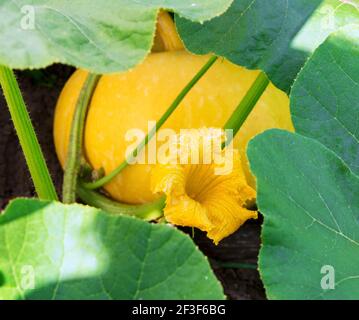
(307,182)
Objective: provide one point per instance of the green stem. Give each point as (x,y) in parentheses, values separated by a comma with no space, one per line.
(99,183)
(72,185)
(31,148)
(148,211)
(74,153)
(247,104)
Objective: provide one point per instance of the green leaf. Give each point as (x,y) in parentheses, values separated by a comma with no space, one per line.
(308,190)
(275,36)
(310,202)
(100,36)
(79,252)
(325,97)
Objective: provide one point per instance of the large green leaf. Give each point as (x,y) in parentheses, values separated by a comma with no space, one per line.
(275,36)
(310,202)
(325,97)
(79,252)
(309,194)
(101,36)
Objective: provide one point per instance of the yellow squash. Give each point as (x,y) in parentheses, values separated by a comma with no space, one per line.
(128,100)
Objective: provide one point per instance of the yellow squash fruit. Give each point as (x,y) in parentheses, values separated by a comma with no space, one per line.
(128,100)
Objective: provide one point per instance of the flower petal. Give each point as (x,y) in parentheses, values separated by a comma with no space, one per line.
(198,196)
(184,211)
(180,208)
(226,215)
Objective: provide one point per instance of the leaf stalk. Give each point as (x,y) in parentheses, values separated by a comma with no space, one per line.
(35,160)
(241,113)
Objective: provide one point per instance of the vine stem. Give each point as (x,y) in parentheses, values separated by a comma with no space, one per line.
(245,107)
(74,153)
(148,211)
(72,185)
(31,148)
(106,179)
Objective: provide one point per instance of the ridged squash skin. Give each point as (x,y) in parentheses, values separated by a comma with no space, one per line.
(128,100)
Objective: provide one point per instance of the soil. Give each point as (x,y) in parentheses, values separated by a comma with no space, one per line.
(230,259)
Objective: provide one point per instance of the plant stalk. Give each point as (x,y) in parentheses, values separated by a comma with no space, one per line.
(99,183)
(148,211)
(74,152)
(245,107)
(31,148)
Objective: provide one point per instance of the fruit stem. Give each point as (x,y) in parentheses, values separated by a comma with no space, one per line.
(245,107)
(148,211)
(106,179)
(29,143)
(74,153)
(167,33)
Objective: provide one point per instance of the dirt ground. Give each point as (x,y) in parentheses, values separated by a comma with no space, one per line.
(40,90)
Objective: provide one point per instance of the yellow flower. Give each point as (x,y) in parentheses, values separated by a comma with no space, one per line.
(198,194)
